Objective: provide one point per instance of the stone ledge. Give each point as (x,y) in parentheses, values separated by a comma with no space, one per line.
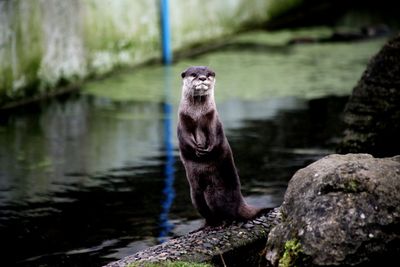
(239,244)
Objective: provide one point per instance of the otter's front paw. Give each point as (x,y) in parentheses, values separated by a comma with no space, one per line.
(202,151)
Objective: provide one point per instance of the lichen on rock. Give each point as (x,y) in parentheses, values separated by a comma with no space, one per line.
(291,254)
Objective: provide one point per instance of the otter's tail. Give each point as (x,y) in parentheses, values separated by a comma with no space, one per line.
(248,212)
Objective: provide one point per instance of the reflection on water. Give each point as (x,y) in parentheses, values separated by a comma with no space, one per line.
(67,212)
(93,177)
(168,191)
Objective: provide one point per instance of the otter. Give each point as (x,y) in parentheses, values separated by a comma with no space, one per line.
(206,154)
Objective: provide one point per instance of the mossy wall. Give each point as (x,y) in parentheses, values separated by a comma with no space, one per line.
(193,21)
(48,43)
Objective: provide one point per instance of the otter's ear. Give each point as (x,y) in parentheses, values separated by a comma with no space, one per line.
(183,74)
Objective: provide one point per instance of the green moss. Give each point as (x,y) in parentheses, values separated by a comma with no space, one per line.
(351,186)
(292,254)
(29,47)
(169,264)
(120,35)
(6,81)
(21,51)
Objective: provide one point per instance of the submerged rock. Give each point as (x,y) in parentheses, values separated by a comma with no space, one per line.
(372,115)
(340,210)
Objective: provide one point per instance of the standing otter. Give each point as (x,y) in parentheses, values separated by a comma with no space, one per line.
(206,154)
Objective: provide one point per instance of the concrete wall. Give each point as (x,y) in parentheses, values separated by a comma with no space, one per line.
(47,43)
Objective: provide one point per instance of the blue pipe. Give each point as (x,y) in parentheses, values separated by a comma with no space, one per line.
(165,32)
(169,171)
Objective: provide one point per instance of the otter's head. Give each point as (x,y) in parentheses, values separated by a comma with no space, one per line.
(198,81)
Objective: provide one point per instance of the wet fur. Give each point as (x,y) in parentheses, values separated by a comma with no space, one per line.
(207,156)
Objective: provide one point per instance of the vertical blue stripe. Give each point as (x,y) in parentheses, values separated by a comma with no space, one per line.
(169,171)
(165,32)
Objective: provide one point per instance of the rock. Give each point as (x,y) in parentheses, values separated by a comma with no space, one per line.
(372,115)
(236,244)
(248,225)
(341,210)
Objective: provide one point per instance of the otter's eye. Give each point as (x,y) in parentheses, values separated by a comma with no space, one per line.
(211,74)
(194,75)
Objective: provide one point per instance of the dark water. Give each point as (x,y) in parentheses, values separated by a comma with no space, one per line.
(80,188)
(91,177)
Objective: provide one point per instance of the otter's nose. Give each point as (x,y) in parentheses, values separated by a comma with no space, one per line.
(202,78)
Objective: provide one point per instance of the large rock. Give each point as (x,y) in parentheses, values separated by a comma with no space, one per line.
(372,115)
(341,210)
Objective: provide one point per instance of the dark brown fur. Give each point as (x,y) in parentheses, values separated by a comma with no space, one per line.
(206,154)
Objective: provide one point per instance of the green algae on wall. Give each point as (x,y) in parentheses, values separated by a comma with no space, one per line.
(194,22)
(20,48)
(120,33)
(63,57)
(45,43)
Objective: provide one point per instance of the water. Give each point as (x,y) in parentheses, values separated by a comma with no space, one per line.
(94,176)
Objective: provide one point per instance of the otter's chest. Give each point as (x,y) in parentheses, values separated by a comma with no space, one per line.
(198,119)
